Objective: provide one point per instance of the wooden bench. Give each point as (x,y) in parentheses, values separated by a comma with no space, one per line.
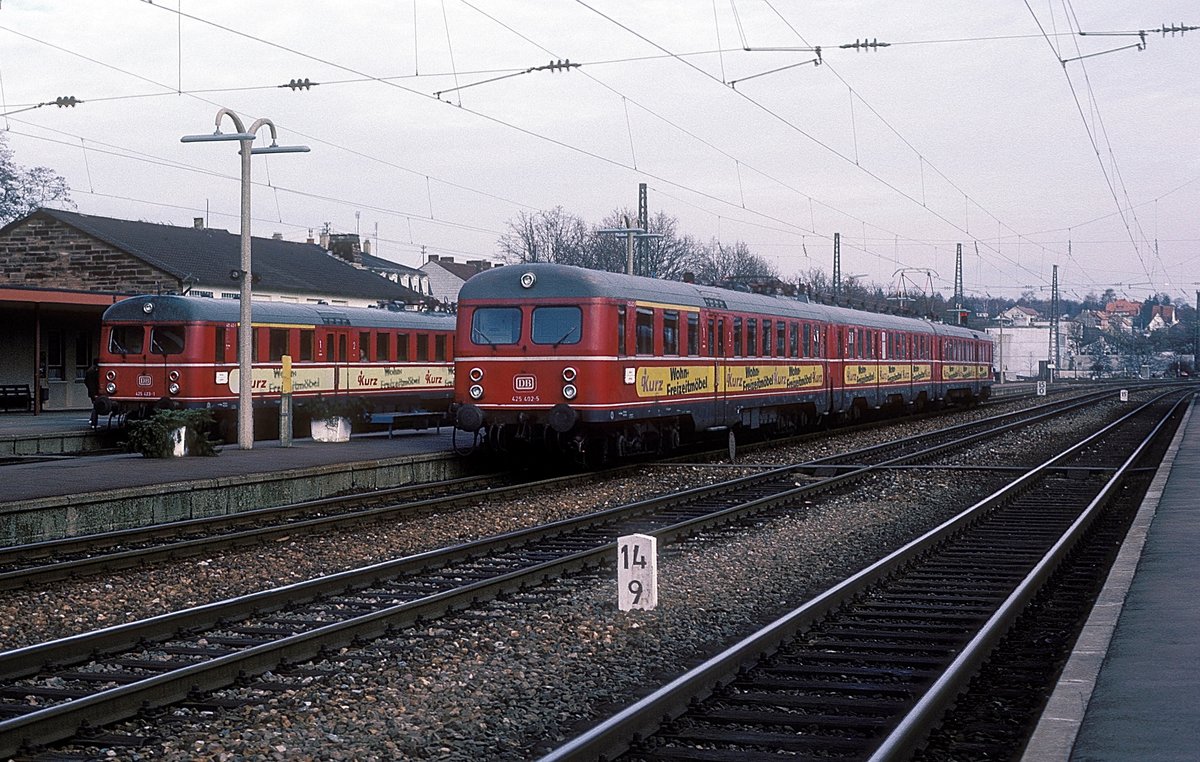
(416,419)
(16,397)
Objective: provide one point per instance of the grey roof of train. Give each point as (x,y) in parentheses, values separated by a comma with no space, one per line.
(208,255)
(190,308)
(575,282)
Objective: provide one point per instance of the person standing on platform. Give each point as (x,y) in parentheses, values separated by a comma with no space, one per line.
(91,382)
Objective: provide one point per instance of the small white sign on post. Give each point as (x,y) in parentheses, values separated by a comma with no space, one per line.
(1124,395)
(1041,389)
(637,572)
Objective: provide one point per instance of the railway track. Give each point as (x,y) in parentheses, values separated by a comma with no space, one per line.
(49,561)
(48,690)
(867,669)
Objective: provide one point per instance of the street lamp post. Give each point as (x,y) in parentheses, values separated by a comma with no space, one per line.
(245,340)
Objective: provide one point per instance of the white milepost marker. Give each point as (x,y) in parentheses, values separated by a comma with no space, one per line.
(1041,388)
(1124,395)
(637,572)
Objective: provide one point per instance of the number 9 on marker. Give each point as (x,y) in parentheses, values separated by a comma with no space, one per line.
(637,572)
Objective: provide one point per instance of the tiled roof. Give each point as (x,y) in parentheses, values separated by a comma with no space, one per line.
(208,255)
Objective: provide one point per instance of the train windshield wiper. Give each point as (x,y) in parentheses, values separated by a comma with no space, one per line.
(565,336)
(477,334)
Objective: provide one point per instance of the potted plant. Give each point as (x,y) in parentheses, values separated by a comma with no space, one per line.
(333,416)
(172,433)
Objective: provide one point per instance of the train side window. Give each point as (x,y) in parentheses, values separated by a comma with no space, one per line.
(780,339)
(644,329)
(402,347)
(795,346)
(383,347)
(277,344)
(850,349)
(219,344)
(884,353)
(693,334)
(737,337)
(439,348)
(306,345)
(721,338)
(422,347)
(751,337)
(621,331)
(768,329)
(343,353)
(712,337)
(807,345)
(670,332)
(364,346)
(166,340)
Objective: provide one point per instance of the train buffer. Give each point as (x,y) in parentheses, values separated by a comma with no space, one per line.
(411,419)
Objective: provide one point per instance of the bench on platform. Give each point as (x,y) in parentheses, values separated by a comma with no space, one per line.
(416,419)
(16,397)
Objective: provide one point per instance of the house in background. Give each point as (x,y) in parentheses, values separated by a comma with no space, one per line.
(60,270)
(446,276)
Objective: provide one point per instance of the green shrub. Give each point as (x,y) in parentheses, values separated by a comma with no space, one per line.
(152,436)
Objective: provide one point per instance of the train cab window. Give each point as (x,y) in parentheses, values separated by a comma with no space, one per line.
(557,325)
(383,347)
(166,340)
(422,347)
(737,337)
(402,347)
(306,345)
(768,330)
(751,337)
(496,325)
(277,344)
(439,348)
(219,344)
(621,348)
(644,330)
(693,334)
(670,332)
(780,339)
(364,346)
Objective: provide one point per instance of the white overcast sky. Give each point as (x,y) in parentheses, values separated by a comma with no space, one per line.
(967,129)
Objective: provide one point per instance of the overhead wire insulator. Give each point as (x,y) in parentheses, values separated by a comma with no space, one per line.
(67,101)
(300,84)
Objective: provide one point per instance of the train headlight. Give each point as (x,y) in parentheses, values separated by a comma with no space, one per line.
(111,375)
(569,374)
(569,391)
(476,374)
(527,280)
(173,388)
(110,387)
(476,391)
(173,375)
(148,307)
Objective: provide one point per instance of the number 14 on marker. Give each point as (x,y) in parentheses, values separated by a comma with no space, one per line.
(637,572)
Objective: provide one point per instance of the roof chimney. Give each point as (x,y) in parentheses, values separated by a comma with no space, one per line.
(366,246)
(198,223)
(310,238)
(433,257)
(346,246)
(277,236)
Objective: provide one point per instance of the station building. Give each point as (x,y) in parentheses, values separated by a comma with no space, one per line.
(60,270)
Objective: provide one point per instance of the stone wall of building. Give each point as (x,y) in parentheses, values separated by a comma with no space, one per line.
(44,253)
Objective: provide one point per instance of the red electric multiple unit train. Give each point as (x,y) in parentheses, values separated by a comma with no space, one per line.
(181,352)
(607,364)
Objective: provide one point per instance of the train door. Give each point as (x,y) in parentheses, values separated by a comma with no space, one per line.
(336,342)
(718,347)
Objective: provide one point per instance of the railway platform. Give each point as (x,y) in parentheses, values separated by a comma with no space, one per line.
(1131,690)
(56,496)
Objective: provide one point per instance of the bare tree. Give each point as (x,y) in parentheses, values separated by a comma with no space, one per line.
(546,236)
(718,263)
(25,190)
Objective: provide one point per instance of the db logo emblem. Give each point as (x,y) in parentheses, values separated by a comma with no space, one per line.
(524,383)
(145,381)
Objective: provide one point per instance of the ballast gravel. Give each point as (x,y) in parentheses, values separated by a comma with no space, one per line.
(513,677)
